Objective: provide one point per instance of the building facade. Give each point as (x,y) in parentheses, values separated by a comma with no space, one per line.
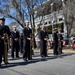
(53,20)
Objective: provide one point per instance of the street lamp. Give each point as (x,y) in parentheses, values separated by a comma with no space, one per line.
(35,17)
(52,15)
(63,3)
(51,4)
(52,25)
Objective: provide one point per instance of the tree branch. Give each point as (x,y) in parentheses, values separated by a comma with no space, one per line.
(16,20)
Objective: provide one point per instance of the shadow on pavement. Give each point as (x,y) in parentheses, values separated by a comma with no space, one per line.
(35,60)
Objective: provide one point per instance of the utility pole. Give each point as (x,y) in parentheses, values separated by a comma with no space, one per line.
(65,27)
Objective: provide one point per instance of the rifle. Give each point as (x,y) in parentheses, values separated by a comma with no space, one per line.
(31,45)
(6,47)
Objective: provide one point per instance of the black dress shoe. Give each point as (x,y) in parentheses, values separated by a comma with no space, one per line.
(42,56)
(17,57)
(25,59)
(7,63)
(47,56)
(21,52)
(12,57)
(0,64)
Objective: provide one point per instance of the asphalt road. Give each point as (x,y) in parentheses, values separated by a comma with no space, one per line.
(53,65)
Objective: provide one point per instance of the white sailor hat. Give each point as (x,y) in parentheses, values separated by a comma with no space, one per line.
(26,21)
(14,26)
(2,18)
(42,25)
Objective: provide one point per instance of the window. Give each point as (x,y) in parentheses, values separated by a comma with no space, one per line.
(60,19)
(45,23)
(49,22)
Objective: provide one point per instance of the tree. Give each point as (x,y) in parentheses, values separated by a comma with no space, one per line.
(19,9)
(69,16)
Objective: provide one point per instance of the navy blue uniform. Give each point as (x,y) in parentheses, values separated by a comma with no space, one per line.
(43,43)
(26,47)
(15,43)
(55,43)
(60,44)
(3,29)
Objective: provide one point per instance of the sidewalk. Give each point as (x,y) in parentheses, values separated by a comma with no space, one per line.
(64,50)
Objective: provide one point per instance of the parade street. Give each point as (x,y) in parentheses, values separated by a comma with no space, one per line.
(63,64)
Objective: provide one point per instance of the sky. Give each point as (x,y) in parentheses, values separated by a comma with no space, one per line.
(8,20)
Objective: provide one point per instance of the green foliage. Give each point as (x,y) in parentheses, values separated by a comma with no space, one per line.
(49,28)
(38,29)
(58,26)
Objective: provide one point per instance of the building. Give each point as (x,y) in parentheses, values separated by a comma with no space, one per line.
(51,20)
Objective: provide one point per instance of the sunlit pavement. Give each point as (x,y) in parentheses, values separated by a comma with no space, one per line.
(64,50)
(63,64)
